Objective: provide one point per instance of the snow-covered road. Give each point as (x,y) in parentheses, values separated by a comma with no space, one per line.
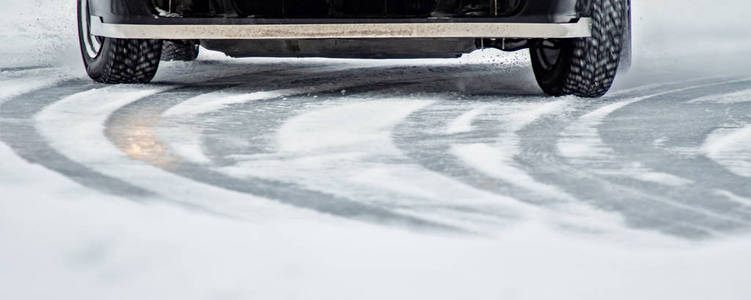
(437,144)
(371,179)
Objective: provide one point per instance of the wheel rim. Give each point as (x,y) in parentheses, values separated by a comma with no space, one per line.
(548,54)
(92,44)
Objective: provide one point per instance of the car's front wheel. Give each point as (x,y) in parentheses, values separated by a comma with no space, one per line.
(110,60)
(584,67)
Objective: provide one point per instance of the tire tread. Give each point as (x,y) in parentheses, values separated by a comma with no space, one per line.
(130,61)
(595,60)
(179,51)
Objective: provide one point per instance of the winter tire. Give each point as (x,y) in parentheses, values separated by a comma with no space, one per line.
(109,60)
(585,67)
(179,50)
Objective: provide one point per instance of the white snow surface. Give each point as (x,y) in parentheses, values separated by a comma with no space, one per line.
(315,150)
(63,242)
(582,144)
(497,160)
(14,86)
(59,240)
(730,98)
(730,148)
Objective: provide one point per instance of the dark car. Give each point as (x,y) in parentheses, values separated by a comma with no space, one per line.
(576,46)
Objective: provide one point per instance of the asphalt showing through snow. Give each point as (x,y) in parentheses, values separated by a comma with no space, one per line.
(437,145)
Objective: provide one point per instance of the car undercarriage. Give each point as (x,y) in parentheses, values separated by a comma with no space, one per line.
(575,46)
(339,8)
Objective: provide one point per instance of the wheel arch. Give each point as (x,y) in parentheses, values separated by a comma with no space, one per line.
(117,11)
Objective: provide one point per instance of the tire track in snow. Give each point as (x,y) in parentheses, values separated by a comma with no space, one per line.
(576,217)
(83,140)
(187,143)
(271,113)
(4,71)
(14,84)
(478,146)
(497,159)
(640,209)
(259,110)
(271,119)
(214,101)
(741,96)
(360,162)
(730,148)
(144,115)
(21,134)
(492,148)
(135,124)
(581,144)
(677,131)
(425,141)
(431,152)
(184,140)
(84,115)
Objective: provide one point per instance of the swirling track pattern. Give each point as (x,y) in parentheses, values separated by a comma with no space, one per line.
(439,145)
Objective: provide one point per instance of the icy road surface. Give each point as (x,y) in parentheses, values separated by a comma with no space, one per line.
(367,179)
(426,144)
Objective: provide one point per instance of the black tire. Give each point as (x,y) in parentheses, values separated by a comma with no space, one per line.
(585,67)
(179,50)
(110,60)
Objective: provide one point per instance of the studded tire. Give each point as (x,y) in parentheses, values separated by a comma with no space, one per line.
(179,50)
(585,67)
(116,60)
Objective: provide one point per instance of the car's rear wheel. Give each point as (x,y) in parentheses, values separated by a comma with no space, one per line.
(110,60)
(584,67)
(180,50)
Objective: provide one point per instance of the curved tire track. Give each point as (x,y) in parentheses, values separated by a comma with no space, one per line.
(539,157)
(641,207)
(145,115)
(20,133)
(683,126)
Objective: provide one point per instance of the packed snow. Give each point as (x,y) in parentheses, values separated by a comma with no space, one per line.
(400,179)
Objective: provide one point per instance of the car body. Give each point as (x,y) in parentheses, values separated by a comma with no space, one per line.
(348,28)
